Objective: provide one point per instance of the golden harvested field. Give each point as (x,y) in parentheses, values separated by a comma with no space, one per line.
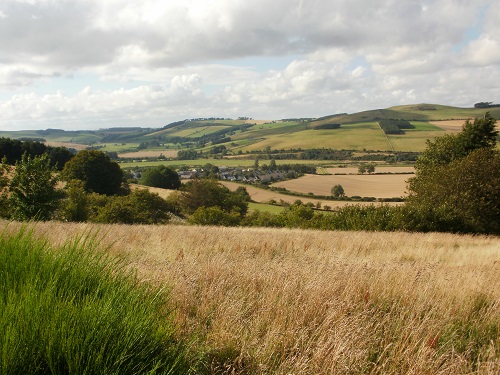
(378,186)
(378,169)
(264,196)
(76,146)
(150,154)
(454,125)
(268,301)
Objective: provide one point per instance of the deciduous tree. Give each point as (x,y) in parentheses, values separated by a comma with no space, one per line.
(457,182)
(97,171)
(161,177)
(32,193)
(338,191)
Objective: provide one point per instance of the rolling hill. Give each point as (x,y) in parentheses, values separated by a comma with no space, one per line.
(358,131)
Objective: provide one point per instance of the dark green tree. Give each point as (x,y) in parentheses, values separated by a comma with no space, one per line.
(256,164)
(32,193)
(272,164)
(457,182)
(59,156)
(76,206)
(462,196)
(214,216)
(161,177)
(209,193)
(338,191)
(97,171)
(243,193)
(443,150)
(4,182)
(139,207)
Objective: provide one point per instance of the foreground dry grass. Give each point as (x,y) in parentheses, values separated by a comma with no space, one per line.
(306,302)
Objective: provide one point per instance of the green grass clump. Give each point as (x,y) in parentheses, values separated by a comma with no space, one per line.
(75,310)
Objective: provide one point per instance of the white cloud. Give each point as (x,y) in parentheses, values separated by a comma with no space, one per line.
(155,61)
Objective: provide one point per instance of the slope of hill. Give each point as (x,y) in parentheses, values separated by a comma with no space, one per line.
(413,112)
(357,131)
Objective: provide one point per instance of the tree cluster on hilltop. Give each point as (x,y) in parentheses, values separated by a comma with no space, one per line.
(392,126)
(486,105)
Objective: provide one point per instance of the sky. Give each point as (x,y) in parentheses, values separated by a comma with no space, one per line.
(90,64)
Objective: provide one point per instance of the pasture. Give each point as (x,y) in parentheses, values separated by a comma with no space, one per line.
(197,131)
(413,140)
(262,301)
(349,137)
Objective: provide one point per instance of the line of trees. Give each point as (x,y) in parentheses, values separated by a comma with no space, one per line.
(14,149)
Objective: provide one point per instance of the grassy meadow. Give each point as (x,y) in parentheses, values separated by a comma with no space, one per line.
(267,301)
(349,137)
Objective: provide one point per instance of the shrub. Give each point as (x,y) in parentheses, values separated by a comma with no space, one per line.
(161,177)
(214,216)
(140,207)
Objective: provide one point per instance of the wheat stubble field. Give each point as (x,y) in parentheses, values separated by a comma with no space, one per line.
(262,301)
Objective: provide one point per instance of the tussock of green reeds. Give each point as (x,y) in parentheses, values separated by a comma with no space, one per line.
(74,310)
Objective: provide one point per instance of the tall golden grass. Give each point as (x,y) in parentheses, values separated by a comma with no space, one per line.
(261,301)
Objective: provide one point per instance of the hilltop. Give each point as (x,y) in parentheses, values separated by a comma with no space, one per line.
(358,131)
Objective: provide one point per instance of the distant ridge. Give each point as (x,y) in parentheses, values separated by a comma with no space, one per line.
(412,112)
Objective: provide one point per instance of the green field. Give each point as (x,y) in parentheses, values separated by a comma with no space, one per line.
(414,112)
(358,131)
(224,122)
(413,140)
(118,147)
(357,136)
(198,131)
(81,137)
(423,126)
(265,208)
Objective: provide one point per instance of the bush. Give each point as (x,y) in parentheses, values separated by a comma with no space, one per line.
(209,193)
(97,171)
(161,177)
(32,193)
(214,216)
(140,207)
(461,196)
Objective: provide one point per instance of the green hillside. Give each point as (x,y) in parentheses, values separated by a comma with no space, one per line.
(357,131)
(414,112)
